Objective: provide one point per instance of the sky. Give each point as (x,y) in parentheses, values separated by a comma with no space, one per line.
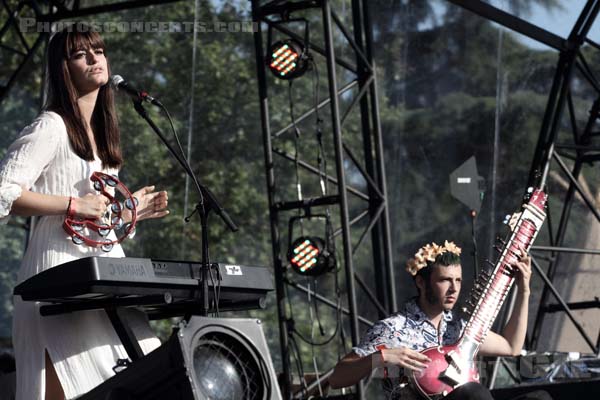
(559,22)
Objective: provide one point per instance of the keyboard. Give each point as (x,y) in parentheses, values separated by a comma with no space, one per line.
(162,288)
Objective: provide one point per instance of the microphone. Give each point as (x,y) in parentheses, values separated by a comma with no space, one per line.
(137,95)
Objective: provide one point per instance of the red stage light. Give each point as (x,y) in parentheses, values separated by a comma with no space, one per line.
(287,59)
(308,256)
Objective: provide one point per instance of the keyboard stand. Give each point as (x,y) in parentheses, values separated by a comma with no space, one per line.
(113,309)
(125,333)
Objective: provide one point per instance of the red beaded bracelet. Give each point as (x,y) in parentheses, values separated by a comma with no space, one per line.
(385,370)
(71,208)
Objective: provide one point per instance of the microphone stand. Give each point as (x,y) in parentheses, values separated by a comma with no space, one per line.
(207,203)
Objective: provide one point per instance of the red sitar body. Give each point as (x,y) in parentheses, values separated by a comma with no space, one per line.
(429,383)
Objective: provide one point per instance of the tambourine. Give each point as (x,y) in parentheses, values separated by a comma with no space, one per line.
(94,232)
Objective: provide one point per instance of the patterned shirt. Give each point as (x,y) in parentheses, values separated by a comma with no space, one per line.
(409,328)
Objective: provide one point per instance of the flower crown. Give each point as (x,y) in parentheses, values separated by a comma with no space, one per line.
(429,252)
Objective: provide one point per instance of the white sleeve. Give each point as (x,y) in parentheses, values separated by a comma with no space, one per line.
(26,159)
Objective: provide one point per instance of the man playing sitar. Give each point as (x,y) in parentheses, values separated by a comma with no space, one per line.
(394,344)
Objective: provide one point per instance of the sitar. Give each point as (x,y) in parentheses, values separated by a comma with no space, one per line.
(454,365)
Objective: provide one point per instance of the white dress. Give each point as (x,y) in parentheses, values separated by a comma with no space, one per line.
(82,345)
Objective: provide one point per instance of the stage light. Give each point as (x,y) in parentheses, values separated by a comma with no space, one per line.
(206,358)
(288,59)
(310,256)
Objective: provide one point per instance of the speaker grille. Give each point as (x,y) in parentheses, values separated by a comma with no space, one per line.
(227,368)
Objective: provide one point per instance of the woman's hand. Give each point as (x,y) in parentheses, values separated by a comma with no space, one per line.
(151,204)
(90,206)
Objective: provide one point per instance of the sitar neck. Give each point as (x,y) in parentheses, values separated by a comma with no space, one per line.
(492,288)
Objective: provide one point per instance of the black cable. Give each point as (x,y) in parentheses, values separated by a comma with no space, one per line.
(201,201)
(322,163)
(216,288)
(299,367)
(297,134)
(316,305)
(289,322)
(474,238)
(293,329)
(321,159)
(310,342)
(216,293)
(266,376)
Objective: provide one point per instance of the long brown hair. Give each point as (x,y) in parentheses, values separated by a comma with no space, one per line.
(62,97)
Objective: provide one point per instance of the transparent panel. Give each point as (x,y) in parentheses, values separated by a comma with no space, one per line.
(555,16)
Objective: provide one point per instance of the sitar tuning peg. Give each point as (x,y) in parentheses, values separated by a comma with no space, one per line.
(527,195)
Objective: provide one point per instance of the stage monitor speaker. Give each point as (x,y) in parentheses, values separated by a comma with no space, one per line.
(207,358)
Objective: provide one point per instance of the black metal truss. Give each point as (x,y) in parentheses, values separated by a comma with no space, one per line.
(46,11)
(581,151)
(359,40)
(512,22)
(571,58)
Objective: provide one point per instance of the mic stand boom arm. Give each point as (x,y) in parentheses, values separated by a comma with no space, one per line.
(207,202)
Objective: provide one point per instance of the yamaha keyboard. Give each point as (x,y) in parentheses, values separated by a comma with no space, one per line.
(160,288)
